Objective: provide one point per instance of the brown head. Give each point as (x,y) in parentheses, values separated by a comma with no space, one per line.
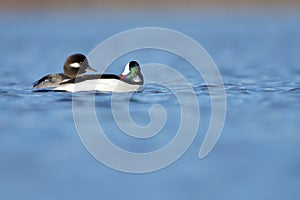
(76,64)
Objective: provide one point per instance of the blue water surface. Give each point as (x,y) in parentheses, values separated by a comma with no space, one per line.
(256,157)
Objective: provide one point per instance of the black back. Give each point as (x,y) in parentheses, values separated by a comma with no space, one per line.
(91,77)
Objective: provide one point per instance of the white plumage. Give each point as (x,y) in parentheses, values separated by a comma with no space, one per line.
(103,85)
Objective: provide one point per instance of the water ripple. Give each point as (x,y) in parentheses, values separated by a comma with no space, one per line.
(294,90)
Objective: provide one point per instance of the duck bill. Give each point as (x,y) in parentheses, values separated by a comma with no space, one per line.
(90,69)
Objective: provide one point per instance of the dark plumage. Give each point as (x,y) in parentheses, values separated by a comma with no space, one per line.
(74,65)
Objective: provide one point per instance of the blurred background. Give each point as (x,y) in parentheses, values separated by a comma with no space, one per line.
(143,3)
(254,43)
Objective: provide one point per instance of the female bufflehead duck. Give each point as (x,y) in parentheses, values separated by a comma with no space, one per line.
(74,65)
(130,80)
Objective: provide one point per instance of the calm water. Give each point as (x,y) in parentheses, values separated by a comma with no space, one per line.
(257,156)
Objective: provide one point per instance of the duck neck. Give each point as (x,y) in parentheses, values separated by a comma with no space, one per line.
(70,72)
(133,77)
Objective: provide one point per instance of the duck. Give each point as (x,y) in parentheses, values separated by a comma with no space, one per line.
(130,80)
(75,64)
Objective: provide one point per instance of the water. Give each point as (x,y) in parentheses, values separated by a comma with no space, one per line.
(257,156)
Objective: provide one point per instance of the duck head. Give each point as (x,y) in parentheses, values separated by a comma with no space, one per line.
(77,64)
(132,73)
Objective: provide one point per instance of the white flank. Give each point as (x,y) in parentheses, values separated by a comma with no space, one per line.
(75,65)
(102,85)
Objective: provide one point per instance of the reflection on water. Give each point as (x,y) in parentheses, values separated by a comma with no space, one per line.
(257,156)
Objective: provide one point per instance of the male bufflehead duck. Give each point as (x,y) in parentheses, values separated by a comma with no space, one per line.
(74,65)
(130,80)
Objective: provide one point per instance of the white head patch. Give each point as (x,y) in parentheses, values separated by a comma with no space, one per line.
(75,65)
(126,70)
